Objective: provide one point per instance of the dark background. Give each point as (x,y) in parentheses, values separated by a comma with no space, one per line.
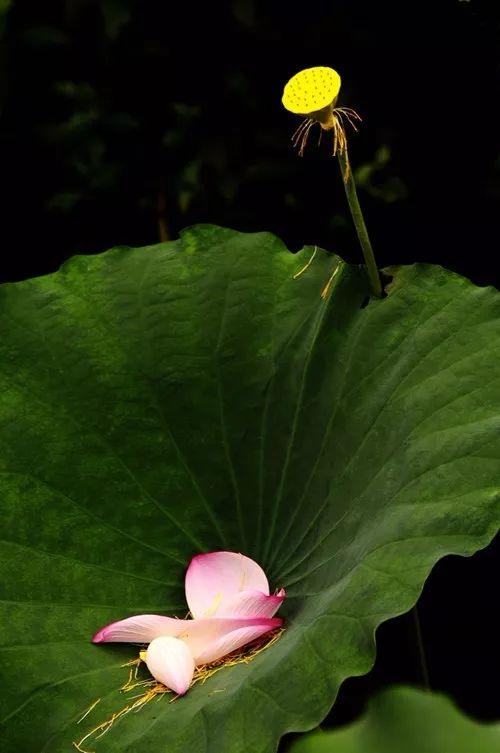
(122,121)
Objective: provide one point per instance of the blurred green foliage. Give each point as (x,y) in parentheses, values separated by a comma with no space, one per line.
(163,139)
(376,178)
(4,7)
(406,720)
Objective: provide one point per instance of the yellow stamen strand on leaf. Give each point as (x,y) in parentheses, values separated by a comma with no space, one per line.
(156,690)
(327,288)
(306,266)
(90,708)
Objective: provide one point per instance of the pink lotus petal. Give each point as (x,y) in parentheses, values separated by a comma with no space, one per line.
(212,638)
(140,629)
(208,639)
(214,578)
(171,662)
(251,604)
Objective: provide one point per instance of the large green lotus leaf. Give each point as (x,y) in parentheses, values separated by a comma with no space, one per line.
(409,720)
(193,396)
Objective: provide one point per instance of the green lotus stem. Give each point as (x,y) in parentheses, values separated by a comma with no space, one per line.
(359,222)
(421,650)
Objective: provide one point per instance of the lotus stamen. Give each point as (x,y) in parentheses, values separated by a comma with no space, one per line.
(154,690)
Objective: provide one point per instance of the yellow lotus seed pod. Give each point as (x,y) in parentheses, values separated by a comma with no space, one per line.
(311,90)
(313,94)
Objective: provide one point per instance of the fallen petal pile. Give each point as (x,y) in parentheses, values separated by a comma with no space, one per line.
(229,600)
